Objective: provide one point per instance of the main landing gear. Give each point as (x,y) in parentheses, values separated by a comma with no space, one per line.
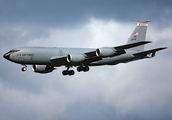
(72,72)
(24,68)
(81,68)
(68,72)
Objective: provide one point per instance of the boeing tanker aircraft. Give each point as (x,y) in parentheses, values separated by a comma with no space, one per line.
(45,59)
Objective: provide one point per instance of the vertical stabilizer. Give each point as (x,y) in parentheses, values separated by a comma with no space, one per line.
(138,35)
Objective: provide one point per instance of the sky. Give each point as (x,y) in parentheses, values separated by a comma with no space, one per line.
(134,91)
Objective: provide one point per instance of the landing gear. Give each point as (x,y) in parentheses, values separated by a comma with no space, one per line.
(24,68)
(81,68)
(68,72)
(72,72)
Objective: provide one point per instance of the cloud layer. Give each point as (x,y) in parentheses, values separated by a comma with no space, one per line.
(70,13)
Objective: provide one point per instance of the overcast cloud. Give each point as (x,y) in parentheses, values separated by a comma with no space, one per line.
(134,91)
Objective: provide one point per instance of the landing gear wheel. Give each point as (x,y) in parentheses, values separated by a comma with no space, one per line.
(80,68)
(23,69)
(65,72)
(86,69)
(71,72)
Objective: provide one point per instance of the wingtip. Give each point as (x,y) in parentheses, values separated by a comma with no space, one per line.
(148,41)
(164,47)
(145,41)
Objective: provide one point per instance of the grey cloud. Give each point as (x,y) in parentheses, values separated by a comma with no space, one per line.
(18,35)
(69,13)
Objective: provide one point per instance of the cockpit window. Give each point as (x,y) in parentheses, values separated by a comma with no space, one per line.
(13,51)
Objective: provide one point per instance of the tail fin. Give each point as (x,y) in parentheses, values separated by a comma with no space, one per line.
(138,35)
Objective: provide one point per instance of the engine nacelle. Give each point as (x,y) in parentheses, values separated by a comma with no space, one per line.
(105,52)
(75,58)
(42,68)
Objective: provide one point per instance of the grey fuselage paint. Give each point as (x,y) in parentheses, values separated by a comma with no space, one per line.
(42,56)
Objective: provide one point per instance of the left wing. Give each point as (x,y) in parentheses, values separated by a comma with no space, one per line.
(89,57)
(93,55)
(149,53)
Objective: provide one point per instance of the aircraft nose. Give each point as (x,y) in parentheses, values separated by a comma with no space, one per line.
(6,56)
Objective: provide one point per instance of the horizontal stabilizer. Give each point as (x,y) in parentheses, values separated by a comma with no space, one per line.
(142,21)
(127,46)
(153,51)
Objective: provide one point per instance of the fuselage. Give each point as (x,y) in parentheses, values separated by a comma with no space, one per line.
(43,55)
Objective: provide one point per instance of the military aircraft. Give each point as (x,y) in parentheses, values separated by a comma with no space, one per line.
(45,59)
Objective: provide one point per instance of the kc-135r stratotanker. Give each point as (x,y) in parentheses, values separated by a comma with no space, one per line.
(45,59)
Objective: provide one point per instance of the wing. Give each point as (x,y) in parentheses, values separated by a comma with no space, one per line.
(91,56)
(127,46)
(149,53)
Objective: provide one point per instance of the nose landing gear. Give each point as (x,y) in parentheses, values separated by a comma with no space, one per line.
(24,68)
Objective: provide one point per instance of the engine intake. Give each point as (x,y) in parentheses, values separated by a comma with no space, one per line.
(105,52)
(42,68)
(75,58)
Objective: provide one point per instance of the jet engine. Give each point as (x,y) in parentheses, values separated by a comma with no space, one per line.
(75,58)
(42,68)
(105,52)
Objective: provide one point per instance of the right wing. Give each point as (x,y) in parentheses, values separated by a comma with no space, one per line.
(127,46)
